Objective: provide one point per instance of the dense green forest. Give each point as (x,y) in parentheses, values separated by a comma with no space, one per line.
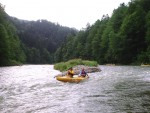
(41,39)
(34,42)
(123,38)
(10,46)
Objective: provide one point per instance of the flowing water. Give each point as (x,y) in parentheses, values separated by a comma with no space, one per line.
(33,89)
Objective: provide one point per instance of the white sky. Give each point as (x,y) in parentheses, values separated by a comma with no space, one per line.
(71,13)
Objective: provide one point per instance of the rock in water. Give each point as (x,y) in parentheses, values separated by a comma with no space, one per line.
(88,69)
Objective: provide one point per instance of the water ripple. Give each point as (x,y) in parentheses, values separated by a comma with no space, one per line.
(32,89)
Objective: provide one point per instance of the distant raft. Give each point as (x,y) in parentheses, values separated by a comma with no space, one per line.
(71,80)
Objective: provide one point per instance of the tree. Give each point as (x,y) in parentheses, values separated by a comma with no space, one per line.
(112,34)
(133,33)
(4,46)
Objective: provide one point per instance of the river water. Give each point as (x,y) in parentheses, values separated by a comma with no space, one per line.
(33,89)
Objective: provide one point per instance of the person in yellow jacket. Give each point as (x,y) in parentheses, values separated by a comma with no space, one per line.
(70,72)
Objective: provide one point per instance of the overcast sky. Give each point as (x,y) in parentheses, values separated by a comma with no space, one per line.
(71,13)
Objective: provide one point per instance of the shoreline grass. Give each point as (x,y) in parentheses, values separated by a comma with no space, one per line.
(63,66)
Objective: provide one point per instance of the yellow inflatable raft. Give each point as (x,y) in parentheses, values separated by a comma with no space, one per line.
(71,80)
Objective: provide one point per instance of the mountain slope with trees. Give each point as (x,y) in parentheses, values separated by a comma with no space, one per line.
(10,45)
(123,38)
(41,38)
(33,42)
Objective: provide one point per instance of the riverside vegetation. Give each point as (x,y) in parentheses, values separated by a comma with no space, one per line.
(63,66)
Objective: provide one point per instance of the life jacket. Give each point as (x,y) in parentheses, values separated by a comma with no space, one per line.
(83,73)
(71,72)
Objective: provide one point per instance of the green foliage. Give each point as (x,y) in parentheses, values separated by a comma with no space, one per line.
(90,63)
(111,36)
(63,66)
(73,62)
(123,38)
(41,39)
(13,62)
(4,46)
(144,57)
(10,46)
(133,32)
(148,29)
(60,66)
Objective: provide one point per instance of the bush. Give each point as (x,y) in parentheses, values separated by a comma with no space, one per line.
(90,63)
(60,66)
(63,66)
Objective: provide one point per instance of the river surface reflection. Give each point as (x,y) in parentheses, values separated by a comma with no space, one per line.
(33,89)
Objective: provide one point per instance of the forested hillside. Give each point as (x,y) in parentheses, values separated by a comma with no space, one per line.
(33,42)
(10,47)
(123,38)
(41,39)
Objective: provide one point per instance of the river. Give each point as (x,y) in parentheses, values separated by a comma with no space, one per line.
(33,89)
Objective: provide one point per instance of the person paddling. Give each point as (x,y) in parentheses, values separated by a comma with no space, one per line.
(83,73)
(70,72)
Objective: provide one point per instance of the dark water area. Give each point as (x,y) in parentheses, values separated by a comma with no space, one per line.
(33,89)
